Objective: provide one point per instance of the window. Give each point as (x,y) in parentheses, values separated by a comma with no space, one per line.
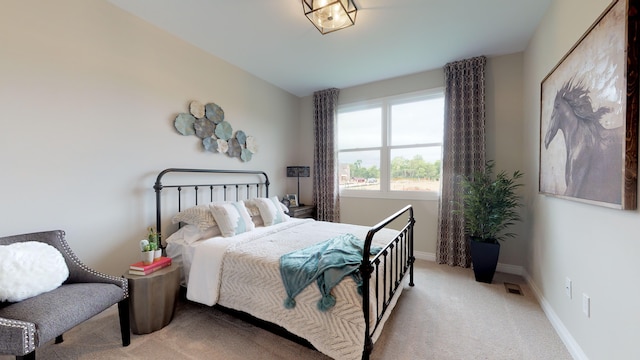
(391,147)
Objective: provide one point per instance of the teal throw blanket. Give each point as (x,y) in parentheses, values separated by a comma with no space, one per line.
(326,263)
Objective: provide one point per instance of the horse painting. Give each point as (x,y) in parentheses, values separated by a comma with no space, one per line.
(593,168)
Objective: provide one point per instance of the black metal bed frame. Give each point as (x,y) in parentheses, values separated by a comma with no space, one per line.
(390,265)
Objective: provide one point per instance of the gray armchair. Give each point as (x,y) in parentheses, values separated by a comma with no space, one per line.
(32,322)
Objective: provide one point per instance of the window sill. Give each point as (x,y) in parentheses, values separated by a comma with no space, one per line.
(400,195)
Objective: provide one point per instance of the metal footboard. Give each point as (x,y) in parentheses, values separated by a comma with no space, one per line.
(389,266)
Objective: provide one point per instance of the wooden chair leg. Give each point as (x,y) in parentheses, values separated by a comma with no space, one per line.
(59,339)
(125,325)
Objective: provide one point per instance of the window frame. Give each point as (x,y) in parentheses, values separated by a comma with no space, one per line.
(385,149)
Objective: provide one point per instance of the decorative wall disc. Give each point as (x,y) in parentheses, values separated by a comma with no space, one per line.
(204,128)
(224,130)
(196,109)
(184,124)
(234,148)
(246,155)
(252,144)
(223,146)
(241,136)
(214,113)
(210,144)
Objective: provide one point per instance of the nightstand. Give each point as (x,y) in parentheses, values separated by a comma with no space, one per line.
(304,211)
(153,299)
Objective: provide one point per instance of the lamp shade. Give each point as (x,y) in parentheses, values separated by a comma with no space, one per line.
(330,15)
(298,171)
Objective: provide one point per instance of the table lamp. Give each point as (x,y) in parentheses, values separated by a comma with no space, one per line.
(298,172)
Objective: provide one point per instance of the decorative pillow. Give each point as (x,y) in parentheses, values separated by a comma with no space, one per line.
(252,208)
(198,215)
(30,268)
(232,218)
(270,210)
(189,234)
(257,220)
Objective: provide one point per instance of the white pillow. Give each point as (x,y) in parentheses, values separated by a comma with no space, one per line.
(189,234)
(30,268)
(198,215)
(270,210)
(232,218)
(284,207)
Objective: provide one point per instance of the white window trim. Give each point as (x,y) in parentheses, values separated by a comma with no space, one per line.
(385,148)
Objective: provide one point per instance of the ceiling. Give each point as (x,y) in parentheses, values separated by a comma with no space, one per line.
(273,40)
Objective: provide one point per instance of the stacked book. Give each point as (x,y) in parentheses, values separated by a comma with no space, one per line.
(140,268)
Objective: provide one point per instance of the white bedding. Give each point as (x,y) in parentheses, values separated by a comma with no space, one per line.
(242,273)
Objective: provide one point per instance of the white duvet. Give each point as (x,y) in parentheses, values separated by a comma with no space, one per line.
(242,273)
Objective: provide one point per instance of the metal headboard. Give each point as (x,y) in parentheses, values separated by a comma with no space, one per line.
(159,186)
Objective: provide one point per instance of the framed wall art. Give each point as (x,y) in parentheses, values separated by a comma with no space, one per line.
(589,114)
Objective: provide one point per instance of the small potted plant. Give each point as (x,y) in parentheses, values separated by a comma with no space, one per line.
(489,205)
(146,252)
(152,236)
(149,247)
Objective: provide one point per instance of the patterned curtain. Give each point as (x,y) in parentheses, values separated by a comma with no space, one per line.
(325,173)
(463,152)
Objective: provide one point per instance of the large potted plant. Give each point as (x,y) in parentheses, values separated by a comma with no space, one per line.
(489,205)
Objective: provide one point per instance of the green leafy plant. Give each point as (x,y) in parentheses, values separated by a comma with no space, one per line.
(489,204)
(152,236)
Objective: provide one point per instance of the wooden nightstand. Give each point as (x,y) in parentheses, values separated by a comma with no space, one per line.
(304,211)
(153,299)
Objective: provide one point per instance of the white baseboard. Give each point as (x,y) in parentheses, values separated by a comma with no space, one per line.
(510,269)
(424,256)
(574,349)
(505,268)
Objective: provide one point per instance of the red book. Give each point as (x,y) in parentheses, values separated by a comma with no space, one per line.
(149,271)
(163,261)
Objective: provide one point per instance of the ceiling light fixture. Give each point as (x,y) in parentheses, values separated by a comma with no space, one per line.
(330,15)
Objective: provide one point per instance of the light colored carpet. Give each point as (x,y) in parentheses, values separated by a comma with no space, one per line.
(447,315)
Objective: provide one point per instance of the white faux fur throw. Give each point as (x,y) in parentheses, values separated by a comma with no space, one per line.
(28,269)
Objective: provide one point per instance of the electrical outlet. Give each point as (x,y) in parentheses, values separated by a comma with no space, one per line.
(567,287)
(586,305)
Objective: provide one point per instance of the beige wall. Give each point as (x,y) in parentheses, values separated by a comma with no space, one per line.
(594,246)
(504,126)
(88,96)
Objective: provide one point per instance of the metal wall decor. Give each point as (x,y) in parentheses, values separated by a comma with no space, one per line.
(207,122)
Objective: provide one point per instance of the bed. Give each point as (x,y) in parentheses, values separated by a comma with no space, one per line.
(244,271)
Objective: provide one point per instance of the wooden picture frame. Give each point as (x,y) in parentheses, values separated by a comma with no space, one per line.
(589,114)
